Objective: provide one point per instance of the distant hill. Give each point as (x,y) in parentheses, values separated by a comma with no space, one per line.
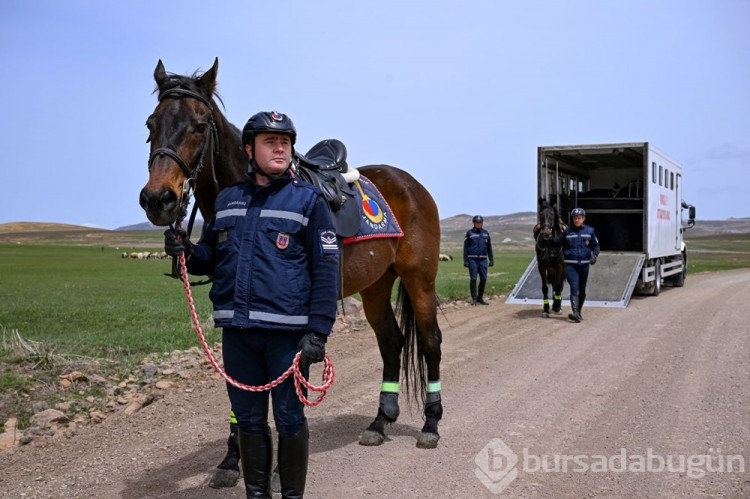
(507,231)
(512,231)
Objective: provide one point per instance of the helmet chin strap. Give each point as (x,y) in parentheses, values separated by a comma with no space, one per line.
(255,168)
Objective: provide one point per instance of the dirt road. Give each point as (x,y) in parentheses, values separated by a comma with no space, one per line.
(665,381)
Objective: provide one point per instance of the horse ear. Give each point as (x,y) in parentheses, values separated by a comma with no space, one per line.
(160,74)
(207,82)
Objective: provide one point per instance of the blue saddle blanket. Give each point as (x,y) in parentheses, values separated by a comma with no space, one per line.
(376,217)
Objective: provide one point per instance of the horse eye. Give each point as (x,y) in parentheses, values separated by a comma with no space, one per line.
(201,128)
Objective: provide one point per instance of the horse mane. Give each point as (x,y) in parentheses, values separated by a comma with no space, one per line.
(188,83)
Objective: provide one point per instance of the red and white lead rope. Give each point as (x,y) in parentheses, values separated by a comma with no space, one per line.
(299,380)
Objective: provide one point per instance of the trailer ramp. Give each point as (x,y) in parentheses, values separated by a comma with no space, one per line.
(611,282)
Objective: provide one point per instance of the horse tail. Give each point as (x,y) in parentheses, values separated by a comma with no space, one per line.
(412,362)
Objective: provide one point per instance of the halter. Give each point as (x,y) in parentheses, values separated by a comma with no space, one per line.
(191,173)
(547,252)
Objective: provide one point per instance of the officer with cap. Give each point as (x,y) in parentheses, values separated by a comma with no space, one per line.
(477,255)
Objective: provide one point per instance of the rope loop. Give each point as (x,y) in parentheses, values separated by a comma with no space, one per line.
(327,376)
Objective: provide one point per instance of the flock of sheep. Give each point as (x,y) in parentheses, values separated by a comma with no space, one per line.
(145,255)
(160,255)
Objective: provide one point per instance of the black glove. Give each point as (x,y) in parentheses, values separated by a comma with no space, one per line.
(313,348)
(172,244)
(492,263)
(592,261)
(466,263)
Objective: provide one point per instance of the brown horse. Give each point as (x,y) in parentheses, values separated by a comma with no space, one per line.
(195,148)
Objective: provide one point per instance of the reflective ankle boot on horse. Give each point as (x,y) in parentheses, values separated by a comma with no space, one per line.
(227,473)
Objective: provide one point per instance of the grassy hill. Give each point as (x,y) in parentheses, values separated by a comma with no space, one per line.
(509,233)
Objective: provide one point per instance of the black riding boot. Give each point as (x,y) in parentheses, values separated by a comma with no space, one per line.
(256,451)
(480,294)
(293,454)
(473,289)
(228,471)
(581,299)
(576,315)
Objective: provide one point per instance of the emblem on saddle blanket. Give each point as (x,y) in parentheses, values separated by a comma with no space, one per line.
(376,217)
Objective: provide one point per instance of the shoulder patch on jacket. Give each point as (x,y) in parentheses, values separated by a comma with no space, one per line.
(328,242)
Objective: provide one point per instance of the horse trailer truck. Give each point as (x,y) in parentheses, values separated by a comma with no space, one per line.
(632,194)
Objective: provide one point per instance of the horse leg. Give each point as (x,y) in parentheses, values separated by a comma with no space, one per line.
(227,473)
(557,295)
(423,314)
(376,302)
(545,294)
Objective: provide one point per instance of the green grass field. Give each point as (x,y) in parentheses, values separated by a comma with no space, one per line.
(72,303)
(87,300)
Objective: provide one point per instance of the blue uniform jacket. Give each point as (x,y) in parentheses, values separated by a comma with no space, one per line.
(477,244)
(273,253)
(578,243)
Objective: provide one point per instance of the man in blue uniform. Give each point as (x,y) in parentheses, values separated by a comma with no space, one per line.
(580,249)
(477,252)
(272,249)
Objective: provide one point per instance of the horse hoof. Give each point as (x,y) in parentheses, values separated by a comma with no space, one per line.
(224,479)
(371,438)
(427,440)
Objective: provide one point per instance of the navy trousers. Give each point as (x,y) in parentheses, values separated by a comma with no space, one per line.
(577,276)
(256,357)
(478,266)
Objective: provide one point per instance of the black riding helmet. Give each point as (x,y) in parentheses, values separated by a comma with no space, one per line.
(478,218)
(266,121)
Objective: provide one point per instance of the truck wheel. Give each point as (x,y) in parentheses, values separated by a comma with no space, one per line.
(679,279)
(657,278)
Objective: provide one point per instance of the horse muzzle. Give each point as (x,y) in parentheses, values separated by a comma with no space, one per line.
(162,206)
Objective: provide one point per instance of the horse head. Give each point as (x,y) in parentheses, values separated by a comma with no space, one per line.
(547,218)
(183,135)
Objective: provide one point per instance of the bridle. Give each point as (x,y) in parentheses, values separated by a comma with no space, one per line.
(211,142)
(548,253)
(188,187)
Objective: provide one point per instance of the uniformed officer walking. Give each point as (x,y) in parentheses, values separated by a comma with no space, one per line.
(477,255)
(580,249)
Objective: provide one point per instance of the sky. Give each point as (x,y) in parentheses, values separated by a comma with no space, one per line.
(458,93)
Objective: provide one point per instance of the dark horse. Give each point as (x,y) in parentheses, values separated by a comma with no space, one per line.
(194,147)
(549,258)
